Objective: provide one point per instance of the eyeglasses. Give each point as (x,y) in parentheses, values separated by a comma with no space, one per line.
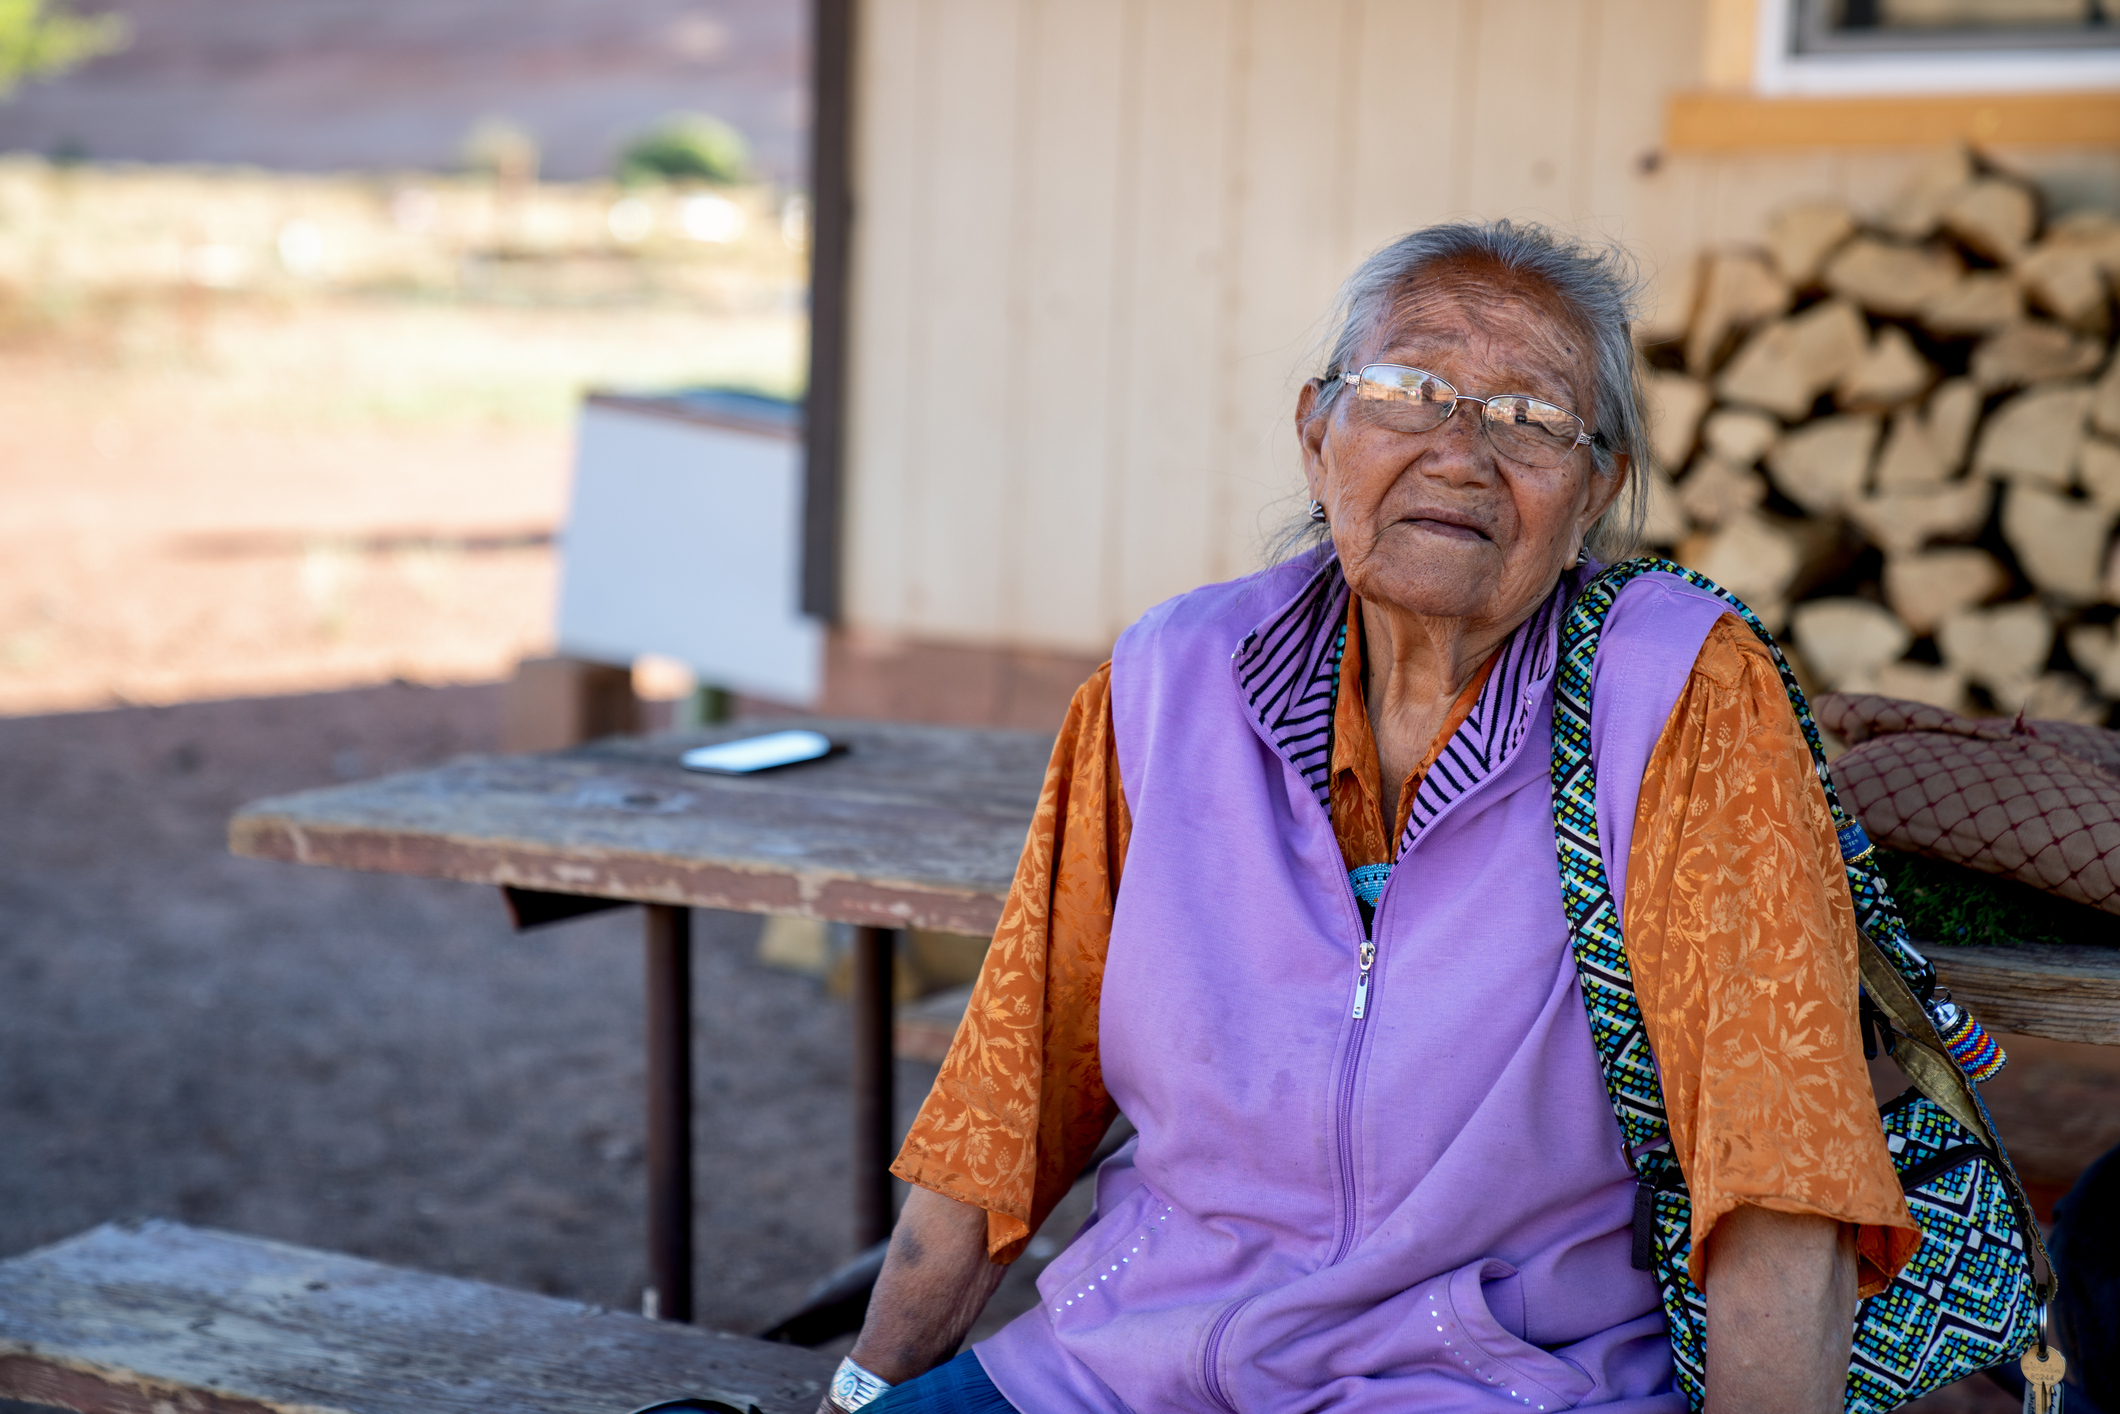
(1522,428)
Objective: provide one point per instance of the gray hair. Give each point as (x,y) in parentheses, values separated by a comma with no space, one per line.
(1595,288)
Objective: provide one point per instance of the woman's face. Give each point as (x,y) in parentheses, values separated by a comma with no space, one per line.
(1439,523)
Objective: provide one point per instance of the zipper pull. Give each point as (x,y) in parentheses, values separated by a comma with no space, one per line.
(1361,979)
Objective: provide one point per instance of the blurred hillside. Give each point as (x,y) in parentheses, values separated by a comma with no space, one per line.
(317,85)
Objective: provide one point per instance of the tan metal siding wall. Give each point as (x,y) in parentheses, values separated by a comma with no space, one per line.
(1095,241)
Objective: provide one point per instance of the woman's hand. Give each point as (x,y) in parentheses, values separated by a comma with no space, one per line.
(1781,1313)
(935,1282)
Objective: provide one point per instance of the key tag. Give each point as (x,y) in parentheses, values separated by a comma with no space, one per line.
(2043,1369)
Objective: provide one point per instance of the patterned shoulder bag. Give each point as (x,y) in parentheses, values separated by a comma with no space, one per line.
(1974,1294)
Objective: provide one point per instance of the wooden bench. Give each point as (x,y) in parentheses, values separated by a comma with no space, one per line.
(159,1318)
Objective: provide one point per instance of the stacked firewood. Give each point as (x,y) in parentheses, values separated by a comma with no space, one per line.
(1898,438)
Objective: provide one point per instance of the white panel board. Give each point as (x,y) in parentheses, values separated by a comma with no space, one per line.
(684,539)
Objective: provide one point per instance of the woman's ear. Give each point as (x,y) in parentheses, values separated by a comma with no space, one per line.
(1311,423)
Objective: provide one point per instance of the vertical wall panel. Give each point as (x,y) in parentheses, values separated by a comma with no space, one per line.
(959,536)
(1405,137)
(1289,215)
(1633,194)
(1059,402)
(890,179)
(1182,156)
(1527,107)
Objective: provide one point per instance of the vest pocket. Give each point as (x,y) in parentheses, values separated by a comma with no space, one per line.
(1472,1310)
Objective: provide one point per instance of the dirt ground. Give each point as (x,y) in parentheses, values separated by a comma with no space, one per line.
(216,498)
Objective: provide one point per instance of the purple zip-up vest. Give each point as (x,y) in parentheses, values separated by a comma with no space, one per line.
(1423,1208)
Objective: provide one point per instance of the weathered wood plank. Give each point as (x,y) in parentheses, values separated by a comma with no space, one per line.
(2065,993)
(160,1318)
(913,827)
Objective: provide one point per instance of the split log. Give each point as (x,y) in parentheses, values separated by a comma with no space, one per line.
(1800,238)
(1716,490)
(1754,558)
(2004,649)
(1917,209)
(1993,216)
(2067,280)
(2099,230)
(2076,265)
(2060,543)
(1738,289)
(1932,683)
(1910,457)
(1845,641)
(1926,588)
(1741,436)
(1891,279)
(2033,352)
(2105,402)
(1900,522)
(1676,404)
(2035,436)
(1787,364)
(1928,447)
(2097,652)
(1983,302)
(1823,465)
(2098,471)
(1890,373)
(2062,697)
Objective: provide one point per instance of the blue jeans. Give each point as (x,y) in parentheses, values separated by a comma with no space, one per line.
(957,1387)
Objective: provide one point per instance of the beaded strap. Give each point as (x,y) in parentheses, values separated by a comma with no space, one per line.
(1616,1024)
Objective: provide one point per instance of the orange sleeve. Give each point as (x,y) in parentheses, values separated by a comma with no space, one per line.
(1020,1104)
(1741,934)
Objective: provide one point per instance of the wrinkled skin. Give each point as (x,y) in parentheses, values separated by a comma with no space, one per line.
(1450,544)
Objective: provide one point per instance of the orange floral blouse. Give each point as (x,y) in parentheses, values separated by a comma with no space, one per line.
(1739,928)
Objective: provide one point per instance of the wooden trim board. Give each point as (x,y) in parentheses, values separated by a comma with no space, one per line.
(157,1316)
(1736,122)
(831,249)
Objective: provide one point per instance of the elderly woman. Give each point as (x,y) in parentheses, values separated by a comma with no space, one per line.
(1376,1168)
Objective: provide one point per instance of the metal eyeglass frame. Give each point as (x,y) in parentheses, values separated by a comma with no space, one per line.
(1584,437)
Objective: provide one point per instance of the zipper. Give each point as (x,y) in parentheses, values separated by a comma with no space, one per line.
(1211,1357)
(1350,1062)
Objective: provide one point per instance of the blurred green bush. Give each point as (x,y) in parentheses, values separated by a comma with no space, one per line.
(38,39)
(685,147)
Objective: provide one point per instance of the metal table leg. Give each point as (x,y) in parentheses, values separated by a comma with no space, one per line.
(669,1293)
(875,1112)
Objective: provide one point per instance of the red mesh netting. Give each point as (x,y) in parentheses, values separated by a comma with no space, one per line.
(2035,801)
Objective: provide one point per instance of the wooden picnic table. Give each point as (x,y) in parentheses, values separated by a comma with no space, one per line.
(913,827)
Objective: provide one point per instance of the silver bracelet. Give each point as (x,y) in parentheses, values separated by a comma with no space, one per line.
(853,1386)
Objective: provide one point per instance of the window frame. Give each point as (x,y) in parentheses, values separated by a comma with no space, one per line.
(1784,68)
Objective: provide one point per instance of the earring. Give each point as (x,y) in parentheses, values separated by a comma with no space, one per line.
(1317,511)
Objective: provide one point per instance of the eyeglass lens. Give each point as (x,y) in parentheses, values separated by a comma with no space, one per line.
(1523,429)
